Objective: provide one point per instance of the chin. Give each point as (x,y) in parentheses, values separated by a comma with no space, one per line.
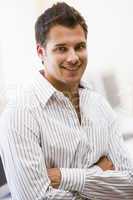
(72,80)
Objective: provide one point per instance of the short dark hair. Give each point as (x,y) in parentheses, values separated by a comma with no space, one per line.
(59,14)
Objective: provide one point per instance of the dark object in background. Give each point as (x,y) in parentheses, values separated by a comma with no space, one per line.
(2,175)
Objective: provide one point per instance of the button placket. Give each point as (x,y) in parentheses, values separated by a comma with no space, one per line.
(72,112)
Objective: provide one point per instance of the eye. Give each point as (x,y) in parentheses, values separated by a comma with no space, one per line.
(61,49)
(80,47)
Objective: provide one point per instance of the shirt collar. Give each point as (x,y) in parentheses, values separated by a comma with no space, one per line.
(44,90)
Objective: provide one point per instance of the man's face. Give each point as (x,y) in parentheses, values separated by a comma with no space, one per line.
(65,55)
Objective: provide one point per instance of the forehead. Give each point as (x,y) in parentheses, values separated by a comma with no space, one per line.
(62,34)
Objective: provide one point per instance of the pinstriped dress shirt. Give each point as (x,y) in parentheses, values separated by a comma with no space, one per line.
(40,129)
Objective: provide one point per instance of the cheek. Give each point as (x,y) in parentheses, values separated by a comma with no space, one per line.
(52,62)
(60,59)
(83,56)
(57,60)
(84,59)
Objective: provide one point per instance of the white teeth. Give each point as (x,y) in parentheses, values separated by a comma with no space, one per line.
(71,69)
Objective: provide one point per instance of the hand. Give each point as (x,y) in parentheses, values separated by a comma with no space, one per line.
(105,164)
(54,175)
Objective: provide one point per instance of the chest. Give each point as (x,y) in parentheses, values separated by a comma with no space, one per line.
(67,143)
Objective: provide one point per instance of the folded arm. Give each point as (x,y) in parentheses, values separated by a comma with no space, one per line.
(27,173)
(110,184)
(24,161)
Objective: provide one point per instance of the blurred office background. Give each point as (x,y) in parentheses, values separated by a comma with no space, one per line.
(110,50)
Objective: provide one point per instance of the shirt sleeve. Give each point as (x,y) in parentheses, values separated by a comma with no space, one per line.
(93,184)
(23,158)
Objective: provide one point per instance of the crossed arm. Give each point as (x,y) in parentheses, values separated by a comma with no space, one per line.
(54,174)
(29,179)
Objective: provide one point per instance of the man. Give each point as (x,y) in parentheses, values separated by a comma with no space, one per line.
(61,139)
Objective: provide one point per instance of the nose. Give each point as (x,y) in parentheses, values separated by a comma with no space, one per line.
(72,57)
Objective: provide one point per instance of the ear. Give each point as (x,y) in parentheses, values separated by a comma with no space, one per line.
(40,51)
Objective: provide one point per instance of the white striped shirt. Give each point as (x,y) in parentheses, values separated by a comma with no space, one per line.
(40,129)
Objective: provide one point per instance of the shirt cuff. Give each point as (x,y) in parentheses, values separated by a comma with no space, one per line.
(97,169)
(72,179)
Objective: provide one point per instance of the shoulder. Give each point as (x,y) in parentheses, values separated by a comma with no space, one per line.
(99,108)
(22,97)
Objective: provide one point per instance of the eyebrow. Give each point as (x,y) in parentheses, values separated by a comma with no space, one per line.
(61,44)
(64,44)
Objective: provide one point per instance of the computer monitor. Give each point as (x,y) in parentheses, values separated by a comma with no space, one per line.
(2,174)
(4,190)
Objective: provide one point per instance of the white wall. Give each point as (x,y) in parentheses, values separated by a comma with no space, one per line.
(17,38)
(2,85)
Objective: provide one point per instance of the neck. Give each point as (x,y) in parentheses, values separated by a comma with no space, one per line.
(67,88)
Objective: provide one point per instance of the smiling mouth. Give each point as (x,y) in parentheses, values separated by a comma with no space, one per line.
(72,68)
